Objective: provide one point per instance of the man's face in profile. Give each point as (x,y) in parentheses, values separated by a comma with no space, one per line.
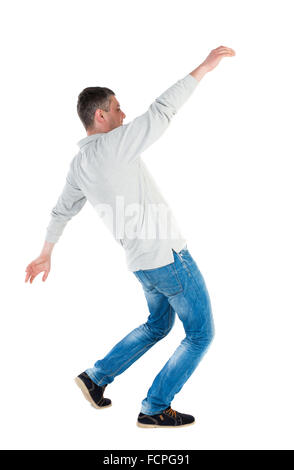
(115,115)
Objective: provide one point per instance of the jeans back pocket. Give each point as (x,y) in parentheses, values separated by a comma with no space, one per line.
(165,279)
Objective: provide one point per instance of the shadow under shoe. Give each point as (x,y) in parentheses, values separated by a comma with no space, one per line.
(168,418)
(92,392)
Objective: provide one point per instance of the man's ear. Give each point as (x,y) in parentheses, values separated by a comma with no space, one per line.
(99,115)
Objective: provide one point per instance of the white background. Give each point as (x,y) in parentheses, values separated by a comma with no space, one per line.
(225,167)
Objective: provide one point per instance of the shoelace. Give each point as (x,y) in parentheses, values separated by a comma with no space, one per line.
(171,412)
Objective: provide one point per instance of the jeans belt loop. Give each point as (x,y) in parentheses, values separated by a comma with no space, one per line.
(180,256)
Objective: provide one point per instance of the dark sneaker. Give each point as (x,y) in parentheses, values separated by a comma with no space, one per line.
(167,418)
(92,392)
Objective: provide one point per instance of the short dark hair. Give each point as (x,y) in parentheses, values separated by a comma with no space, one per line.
(89,100)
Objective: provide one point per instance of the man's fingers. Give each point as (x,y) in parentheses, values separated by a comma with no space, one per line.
(33,269)
(31,276)
(225,49)
(29,272)
(219,49)
(225,54)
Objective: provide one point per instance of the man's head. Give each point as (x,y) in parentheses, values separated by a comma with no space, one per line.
(99,110)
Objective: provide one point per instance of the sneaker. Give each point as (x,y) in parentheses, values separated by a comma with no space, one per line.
(167,418)
(92,392)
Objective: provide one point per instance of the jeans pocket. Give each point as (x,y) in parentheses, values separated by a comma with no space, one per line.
(147,288)
(165,279)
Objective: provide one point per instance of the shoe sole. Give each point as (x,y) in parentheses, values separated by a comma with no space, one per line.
(87,395)
(141,425)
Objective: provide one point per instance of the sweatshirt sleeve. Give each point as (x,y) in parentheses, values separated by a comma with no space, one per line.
(69,203)
(126,142)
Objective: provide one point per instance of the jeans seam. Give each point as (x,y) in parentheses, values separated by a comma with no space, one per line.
(177,277)
(169,320)
(186,267)
(129,359)
(179,286)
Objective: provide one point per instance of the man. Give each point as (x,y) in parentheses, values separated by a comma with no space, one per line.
(108,172)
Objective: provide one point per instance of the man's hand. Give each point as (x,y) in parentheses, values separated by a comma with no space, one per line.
(40,264)
(211,61)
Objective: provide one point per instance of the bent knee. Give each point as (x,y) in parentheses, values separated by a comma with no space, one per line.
(202,338)
(162,334)
(158,334)
(210,335)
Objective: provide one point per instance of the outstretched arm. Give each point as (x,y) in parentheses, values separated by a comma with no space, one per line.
(69,203)
(125,143)
(211,61)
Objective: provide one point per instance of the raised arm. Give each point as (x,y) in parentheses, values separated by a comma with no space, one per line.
(211,61)
(125,143)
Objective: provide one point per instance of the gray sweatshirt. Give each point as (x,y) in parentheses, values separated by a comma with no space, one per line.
(108,172)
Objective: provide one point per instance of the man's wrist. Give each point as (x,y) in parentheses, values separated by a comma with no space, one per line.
(199,72)
(47,249)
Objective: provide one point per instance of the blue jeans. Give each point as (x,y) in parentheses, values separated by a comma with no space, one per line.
(177,287)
